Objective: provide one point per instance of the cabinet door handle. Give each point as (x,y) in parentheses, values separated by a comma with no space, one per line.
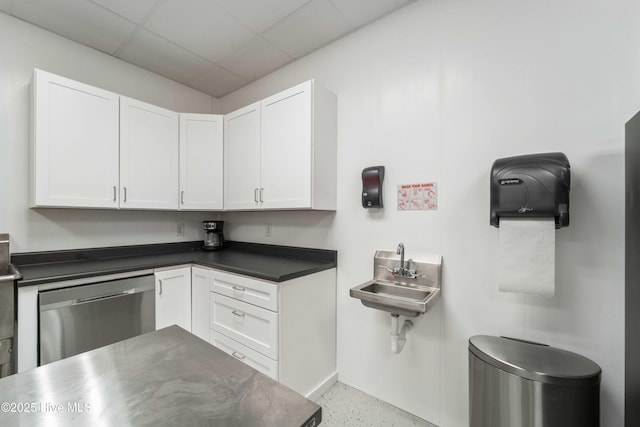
(125,194)
(237,355)
(182,197)
(114,193)
(160,287)
(238,288)
(238,313)
(255,195)
(261,194)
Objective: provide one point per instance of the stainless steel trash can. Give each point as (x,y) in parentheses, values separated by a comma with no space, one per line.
(514,383)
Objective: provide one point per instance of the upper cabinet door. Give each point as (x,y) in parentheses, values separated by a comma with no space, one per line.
(74,156)
(286,136)
(242,158)
(280,153)
(201,162)
(148,156)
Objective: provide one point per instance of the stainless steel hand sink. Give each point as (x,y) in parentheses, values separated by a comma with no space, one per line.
(395,297)
(397,290)
(400,288)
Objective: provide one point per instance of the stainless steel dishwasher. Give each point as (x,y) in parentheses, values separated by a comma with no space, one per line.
(81,318)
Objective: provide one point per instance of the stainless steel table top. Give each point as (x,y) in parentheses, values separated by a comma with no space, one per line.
(166,377)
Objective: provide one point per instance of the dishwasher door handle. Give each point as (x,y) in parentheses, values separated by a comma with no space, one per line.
(87,300)
(65,297)
(114,295)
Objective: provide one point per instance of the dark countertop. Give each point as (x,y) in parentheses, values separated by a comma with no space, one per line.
(166,377)
(269,262)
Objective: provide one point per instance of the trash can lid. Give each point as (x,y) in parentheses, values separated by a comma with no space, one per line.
(537,362)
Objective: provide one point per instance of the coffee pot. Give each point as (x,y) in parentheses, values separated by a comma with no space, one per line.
(213,237)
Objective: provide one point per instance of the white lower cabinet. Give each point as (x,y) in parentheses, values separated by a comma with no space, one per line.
(248,324)
(200,279)
(257,292)
(286,330)
(256,360)
(173,298)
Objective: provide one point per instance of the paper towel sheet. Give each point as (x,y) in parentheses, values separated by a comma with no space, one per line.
(526,256)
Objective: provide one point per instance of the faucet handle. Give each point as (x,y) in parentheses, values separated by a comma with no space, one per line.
(412,274)
(394,271)
(390,270)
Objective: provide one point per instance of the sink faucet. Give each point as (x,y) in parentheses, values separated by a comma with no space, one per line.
(400,251)
(401,269)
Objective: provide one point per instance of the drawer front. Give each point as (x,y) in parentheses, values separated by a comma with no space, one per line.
(252,326)
(256,360)
(257,292)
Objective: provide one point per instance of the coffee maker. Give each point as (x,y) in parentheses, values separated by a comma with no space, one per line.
(213,237)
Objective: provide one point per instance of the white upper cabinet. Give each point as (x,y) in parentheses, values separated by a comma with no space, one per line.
(286,137)
(280,153)
(201,162)
(74,152)
(96,149)
(242,158)
(148,156)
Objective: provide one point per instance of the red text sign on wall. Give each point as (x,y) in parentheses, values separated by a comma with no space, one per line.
(418,197)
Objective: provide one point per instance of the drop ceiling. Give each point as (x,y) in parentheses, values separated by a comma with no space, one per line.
(215,46)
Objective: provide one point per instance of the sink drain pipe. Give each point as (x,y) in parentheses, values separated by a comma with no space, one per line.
(399,333)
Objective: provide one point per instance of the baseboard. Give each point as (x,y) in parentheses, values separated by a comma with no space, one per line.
(323,387)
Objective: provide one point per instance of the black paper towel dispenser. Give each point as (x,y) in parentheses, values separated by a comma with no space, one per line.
(531,186)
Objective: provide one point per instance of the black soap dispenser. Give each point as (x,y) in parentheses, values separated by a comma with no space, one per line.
(372,178)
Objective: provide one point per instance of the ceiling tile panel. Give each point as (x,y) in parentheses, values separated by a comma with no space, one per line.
(216,46)
(361,12)
(202,26)
(78,20)
(152,52)
(132,10)
(260,15)
(217,81)
(314,25)
(256,59)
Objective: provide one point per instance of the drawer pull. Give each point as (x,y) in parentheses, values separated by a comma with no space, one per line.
(237,355)
(238,313)
(238,288)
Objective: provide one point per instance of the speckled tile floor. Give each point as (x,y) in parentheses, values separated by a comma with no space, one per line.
(344,406)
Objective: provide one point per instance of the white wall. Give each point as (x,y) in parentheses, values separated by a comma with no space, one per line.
(437,92)
(24,47)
